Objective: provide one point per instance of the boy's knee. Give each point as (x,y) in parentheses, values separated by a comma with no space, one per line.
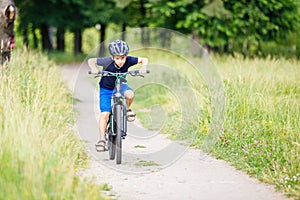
(104,115)
(129,94)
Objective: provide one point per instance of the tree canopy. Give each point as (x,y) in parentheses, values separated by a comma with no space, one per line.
(221,25)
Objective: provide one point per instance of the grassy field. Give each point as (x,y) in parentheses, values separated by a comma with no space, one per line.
(262,115)
(261,131)
(40,152)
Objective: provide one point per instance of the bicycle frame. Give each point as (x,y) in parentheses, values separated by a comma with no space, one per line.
(119,99)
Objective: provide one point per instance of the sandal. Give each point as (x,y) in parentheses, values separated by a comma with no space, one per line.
(130,115)
(101,146)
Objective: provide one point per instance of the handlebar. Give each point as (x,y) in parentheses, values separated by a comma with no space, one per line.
(117,74)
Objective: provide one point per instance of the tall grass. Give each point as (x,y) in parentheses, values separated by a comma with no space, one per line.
(262,119)
(171,95)
(39,153)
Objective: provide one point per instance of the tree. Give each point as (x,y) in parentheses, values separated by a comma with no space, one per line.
(228,23)
(167,14)
(262,21)
(100,13)
(209,20)
(7,18)
(136,13)
(49,15)
(33,16)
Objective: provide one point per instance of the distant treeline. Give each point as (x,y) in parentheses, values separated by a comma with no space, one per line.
(225,26)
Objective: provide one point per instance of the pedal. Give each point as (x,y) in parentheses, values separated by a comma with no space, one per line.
(124,134)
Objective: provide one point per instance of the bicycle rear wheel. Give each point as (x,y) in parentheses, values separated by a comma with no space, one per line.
(119,125)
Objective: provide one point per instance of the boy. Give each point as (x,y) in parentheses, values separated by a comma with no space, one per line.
(119,61)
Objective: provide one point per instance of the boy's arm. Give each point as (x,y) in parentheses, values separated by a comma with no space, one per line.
(144,62)
(92,62)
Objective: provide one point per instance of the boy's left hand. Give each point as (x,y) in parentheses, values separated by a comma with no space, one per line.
(143,69)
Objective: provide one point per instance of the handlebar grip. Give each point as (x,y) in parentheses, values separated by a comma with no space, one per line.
(99,72)
(147,71)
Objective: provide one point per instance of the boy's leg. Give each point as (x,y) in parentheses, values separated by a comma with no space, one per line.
(105,108)
(102,124)
(129,95)
(101,144)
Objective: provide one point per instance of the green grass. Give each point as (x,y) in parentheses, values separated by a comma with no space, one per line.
(164,96)
(106,187)
(63,58)
(262,118)
(261,132)
(140,146)
(40,152)
(145,163)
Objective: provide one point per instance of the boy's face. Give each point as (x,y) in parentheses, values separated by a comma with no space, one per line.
(120,60)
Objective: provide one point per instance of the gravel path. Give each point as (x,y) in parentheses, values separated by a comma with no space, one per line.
(155,167)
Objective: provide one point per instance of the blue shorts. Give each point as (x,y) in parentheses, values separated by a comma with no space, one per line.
(105,97)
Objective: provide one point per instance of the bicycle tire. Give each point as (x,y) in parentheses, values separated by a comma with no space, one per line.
(119,125)
(112,146)
(111,139)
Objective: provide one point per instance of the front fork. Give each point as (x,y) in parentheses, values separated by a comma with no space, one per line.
(118,100)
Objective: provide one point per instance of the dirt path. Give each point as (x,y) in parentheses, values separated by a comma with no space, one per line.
(153,166)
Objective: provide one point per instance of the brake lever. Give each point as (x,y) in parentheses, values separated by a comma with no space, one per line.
(105,73)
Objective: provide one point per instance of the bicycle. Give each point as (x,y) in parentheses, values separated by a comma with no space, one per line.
(116,129)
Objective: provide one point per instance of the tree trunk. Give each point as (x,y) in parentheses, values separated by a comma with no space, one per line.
(102,40)
(145,35)
(25,37)
(165,38)
(46,41)
(124,25)
(35,39)
(60,39)
(7,34)
(195,44)
(78,42)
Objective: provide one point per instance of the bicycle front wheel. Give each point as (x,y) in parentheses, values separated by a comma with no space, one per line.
(112,146)
(119,125)
(111,138)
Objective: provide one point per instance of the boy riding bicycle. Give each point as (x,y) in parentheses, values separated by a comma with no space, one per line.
(119,61)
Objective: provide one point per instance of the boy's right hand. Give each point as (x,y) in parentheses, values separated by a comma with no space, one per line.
(92,62)
(143,69)
(94,71)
